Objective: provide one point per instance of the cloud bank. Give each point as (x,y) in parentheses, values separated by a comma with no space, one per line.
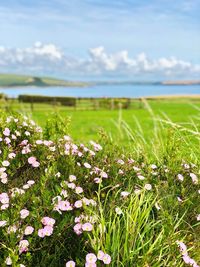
(50,59)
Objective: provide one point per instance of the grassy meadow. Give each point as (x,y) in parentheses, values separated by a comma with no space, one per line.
(100,187)
(85,124)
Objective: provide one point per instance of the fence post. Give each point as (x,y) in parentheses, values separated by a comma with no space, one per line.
(32,108)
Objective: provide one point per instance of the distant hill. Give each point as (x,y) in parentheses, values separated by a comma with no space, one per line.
(192,82)
(12,80)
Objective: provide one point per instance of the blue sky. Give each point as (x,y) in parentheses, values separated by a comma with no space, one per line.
(158,29)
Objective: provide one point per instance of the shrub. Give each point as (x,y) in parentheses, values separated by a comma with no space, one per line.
(65,101)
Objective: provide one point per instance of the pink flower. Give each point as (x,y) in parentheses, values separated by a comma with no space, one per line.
(7,140)
(28,230)
(78,204)
(106,259)
(31,160)
(23,246)
(14,137)
(3,177)
(47,221)
(48,230)
(104,175)
(79,190)
(87,227)
(182,247)
(77,219)
(11,155)
(91,258)
(120,161)
(100,255)
(78,228)
(5,163)
(24,213)
(41,233)
(71,185)
(97,180)
(4,198)
(36,164)
(72,178)
(4,207)
(6,132)
(186,258)
(39,142)
(70,264)
(63,205)
(87,165)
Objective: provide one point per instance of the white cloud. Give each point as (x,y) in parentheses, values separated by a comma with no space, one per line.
(48,58)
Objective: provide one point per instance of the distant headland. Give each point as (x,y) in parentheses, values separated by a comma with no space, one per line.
(14,80)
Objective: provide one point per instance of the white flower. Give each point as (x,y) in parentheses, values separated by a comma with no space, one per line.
(8,261)
(194,178)
(5,163)
(148,186)
(153,166)
(125,194)
(118,211)
(141,177)
(24,213)
(137,191)
(157,206)
(3,223)
(87,165)
(180,177)
(72,178)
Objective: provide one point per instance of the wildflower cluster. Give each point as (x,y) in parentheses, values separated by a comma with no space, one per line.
(65,204)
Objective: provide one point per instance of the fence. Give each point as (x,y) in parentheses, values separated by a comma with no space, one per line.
(82,103)
(43,103)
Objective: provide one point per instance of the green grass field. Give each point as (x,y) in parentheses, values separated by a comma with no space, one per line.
(86,124)
(127,201)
